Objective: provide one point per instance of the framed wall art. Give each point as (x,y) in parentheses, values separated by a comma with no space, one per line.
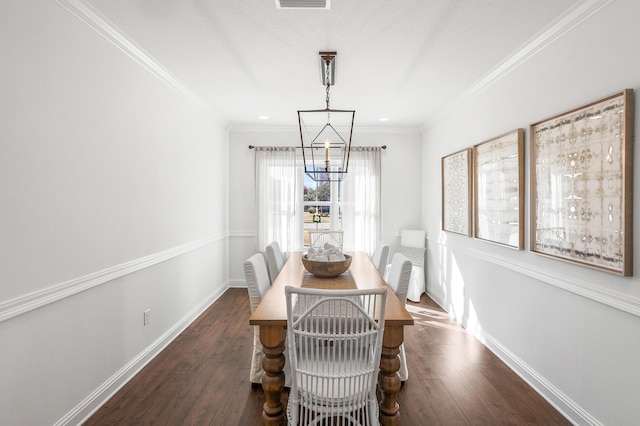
(581,185)
(456,192)
(498,189)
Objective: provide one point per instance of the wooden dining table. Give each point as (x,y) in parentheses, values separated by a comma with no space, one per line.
(271,317)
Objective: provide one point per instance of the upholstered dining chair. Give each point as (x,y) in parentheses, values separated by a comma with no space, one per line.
(398,279)
(334,339)
(412,245)
(379,257)
(255,272)
(275,260)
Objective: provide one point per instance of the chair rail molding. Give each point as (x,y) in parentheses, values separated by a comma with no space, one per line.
(243,234)
(601,294)
(37,299)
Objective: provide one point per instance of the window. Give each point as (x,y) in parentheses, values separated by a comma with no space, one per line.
(322,206)
(352,206)
(278,197)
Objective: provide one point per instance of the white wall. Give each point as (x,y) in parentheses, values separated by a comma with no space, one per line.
(113,191)
(401,168)
(116,196)
(571,331)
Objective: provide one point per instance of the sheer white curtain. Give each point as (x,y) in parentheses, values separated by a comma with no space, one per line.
(278,198)
(361,200)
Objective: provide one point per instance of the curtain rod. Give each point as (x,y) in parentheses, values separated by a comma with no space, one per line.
(297,147)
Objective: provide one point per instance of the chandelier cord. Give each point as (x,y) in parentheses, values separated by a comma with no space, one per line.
(326,76)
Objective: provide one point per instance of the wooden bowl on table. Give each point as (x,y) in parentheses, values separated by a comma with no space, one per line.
(326,269)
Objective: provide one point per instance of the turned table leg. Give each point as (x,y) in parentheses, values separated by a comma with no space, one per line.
(273,340)
(388,378)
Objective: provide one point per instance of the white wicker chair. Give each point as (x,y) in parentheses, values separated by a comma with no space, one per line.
(379,258)
(275,260)
(335,341)
(319,238)
(398,279)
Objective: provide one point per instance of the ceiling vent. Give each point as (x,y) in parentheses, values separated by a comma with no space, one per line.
(303,4)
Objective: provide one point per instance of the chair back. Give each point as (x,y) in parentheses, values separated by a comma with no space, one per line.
(255,271)
(334,339)
(319,238)
(379,258)
(412,245)
(275,260)
(400,276)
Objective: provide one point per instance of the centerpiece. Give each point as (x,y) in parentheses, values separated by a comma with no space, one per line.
(326,262)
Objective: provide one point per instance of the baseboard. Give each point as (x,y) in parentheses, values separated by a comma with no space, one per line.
(238,283)
(565,405)
(561,402)
(104,392)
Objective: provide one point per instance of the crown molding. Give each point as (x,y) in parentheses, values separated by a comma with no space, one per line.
(562,25)
(88,15)
(556,29)
(262,128)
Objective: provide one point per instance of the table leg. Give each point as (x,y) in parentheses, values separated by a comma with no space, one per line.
(273,341)
(388,378)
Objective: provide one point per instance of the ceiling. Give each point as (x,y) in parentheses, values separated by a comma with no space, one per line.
(400,59)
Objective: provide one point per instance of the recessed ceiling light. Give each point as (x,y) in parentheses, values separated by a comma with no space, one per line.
(263,117)
(383,118)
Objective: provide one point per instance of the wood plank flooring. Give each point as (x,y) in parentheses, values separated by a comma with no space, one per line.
(202,377)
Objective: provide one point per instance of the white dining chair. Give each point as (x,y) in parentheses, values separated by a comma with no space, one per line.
(412,245)
(379,257)
(275,260)
(334,339)
(398,279)
(255,271)
(317,239)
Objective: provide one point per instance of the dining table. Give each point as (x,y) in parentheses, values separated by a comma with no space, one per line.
(271,317)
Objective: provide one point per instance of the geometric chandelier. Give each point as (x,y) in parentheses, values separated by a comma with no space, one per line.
(325,134)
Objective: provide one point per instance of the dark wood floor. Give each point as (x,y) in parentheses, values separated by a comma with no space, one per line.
(202,377)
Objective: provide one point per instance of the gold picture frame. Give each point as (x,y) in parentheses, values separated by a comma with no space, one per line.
(581,185)
(456,192)
(498,189)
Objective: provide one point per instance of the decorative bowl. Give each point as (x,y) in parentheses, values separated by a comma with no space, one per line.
(326,269)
